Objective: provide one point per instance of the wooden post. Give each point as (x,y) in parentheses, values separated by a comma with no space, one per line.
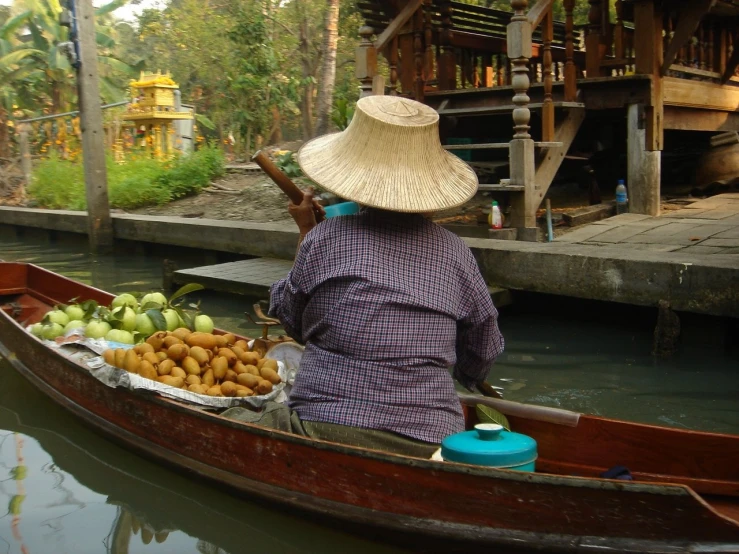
(393,62)
(720,51)
(419,53)
(618,34)
(594,47)
(570,68)
(100,226)
(447,70)
(487,70)
(366,64)
(522,162)
(649,58)
(547,110)
(24,130)
(643,167)
(428,41)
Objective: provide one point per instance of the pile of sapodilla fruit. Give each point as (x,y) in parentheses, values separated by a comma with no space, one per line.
(204,363)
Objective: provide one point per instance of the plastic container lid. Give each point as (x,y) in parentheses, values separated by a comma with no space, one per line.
(489,445)
(344,208)
(495,202)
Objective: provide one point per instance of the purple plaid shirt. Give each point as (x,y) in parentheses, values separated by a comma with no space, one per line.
(386,303)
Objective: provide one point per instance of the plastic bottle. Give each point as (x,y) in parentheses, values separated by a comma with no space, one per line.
(622,199)
(495,219)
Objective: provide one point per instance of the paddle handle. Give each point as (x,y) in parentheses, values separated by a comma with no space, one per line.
(281,180)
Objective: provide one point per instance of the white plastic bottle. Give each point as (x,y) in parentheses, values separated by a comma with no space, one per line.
(495,219)
(622,199)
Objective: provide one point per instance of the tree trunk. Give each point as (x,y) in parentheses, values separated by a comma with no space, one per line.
(328,68)
(306,107)
(4,134)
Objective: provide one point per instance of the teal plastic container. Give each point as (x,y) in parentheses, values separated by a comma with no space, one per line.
(491,445)
(344,208)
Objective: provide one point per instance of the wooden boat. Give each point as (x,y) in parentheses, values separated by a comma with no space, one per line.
(685,497)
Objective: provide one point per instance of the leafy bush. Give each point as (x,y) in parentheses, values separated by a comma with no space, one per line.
(60,184)
(288,164)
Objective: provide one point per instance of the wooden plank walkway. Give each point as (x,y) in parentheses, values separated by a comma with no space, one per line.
(249,277)
(254,278)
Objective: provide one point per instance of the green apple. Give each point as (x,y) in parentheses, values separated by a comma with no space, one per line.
(97,329)
(52,331)
(126,316)
(75,313)
(37,330)
(173,319)
(203,324)
(74,324)
(124,299)
(119,335)
(57,316)
(154,298)
(145,325)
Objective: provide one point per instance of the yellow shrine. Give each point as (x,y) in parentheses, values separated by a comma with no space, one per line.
(153,109)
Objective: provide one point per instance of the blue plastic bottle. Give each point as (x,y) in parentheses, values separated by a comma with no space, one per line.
(622,199)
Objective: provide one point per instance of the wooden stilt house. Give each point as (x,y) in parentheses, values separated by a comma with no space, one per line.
(516,88)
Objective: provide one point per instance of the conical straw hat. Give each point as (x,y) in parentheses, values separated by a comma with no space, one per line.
(390,157)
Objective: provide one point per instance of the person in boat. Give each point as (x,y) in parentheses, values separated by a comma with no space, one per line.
(385,301)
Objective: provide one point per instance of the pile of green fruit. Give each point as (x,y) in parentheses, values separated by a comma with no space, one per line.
(128,320)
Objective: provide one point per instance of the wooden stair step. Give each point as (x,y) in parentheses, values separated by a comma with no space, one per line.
(498,110)
(497,145)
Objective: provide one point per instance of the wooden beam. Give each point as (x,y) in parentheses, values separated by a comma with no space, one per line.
(649,48)
(397,24)
(699,94)
(693,119)
(548,167)
(688,22)
(537,14)
(731,64)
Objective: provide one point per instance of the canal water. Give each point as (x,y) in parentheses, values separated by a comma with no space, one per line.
(69,491)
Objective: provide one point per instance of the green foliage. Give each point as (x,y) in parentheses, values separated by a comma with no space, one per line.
(59,184)
(486,414)
(342,113)
(289,165)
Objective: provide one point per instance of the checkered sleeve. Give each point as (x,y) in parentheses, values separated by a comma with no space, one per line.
(479,341)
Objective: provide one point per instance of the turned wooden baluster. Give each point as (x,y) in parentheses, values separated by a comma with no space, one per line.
(701,34)
(519,51)
(594,49)
(570,69)
(447,69)
(692,54)
(476,69)
(463,69)
(366,64)
(500,68)
(710,60)
(547,110)
(393,61)
(618,33)
(418,52)
(487,70)
(668,31)
(428,41)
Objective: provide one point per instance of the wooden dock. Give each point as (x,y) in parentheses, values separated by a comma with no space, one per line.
(248,277)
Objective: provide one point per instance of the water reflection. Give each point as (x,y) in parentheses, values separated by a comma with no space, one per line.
(69,491)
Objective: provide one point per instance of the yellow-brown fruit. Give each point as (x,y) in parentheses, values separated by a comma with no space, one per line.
(247,380)
(203,340)
(266,362)
(239,352)
(109,356)
(191,366)
(253,370)
(215,390)
(165,367)
(161,536)
(131,362)
(120,357)
(143,348)
(146,535)
(241,343)
(239,368)
(219,364)
(193,380)
(207,378)
(229,355)
(201,355)
(260,347)
(228,388)
(241,390)
(221,341)
(171,340)
(162,356)
(230,338)
(151,357)
(270,375)
(181,333)
(263,387)
(250,358)
(157,339)
(175,382)
(230,375)
(146,369)
(178,372)
(200,389)
(178,352)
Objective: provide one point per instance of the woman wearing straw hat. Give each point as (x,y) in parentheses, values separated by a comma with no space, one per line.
(385,300)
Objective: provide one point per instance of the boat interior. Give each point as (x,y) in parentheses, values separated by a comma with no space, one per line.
(569,444)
